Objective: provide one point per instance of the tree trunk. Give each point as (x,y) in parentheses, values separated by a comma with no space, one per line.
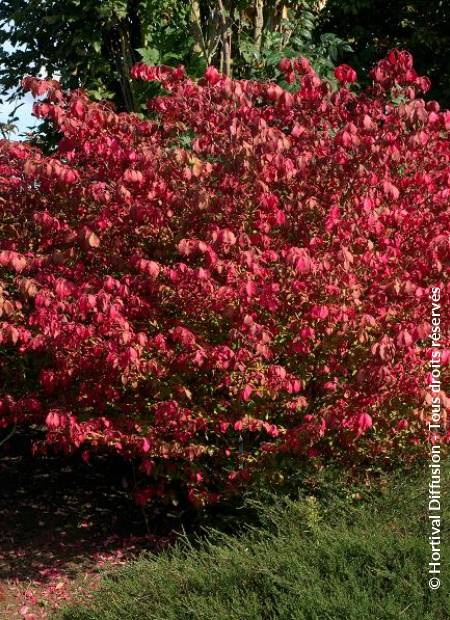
(197,32)
(119,51)
(136,37)
(259,23)
(226,36)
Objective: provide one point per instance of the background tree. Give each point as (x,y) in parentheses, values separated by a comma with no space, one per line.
(248,38)
(70,39)
(94,44)
(373,27)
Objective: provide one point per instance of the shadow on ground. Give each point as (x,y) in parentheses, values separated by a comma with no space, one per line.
(58,513)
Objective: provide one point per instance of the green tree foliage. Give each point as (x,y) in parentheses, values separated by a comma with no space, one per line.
(94,44)
(247,38)
(73,38)
(372,27)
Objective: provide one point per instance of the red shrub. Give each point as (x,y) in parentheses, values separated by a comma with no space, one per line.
(245,275)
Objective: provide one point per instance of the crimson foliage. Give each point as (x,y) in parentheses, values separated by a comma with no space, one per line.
(241,278)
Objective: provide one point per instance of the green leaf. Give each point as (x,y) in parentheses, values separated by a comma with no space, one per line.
(150,55)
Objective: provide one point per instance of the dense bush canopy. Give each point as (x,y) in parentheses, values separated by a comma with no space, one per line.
(242,277)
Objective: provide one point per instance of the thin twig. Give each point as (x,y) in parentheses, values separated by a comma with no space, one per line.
(9,435)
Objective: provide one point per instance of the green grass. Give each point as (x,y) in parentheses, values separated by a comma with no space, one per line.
(327,559)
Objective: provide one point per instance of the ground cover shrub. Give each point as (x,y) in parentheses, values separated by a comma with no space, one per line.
(335,559)
(242,277)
